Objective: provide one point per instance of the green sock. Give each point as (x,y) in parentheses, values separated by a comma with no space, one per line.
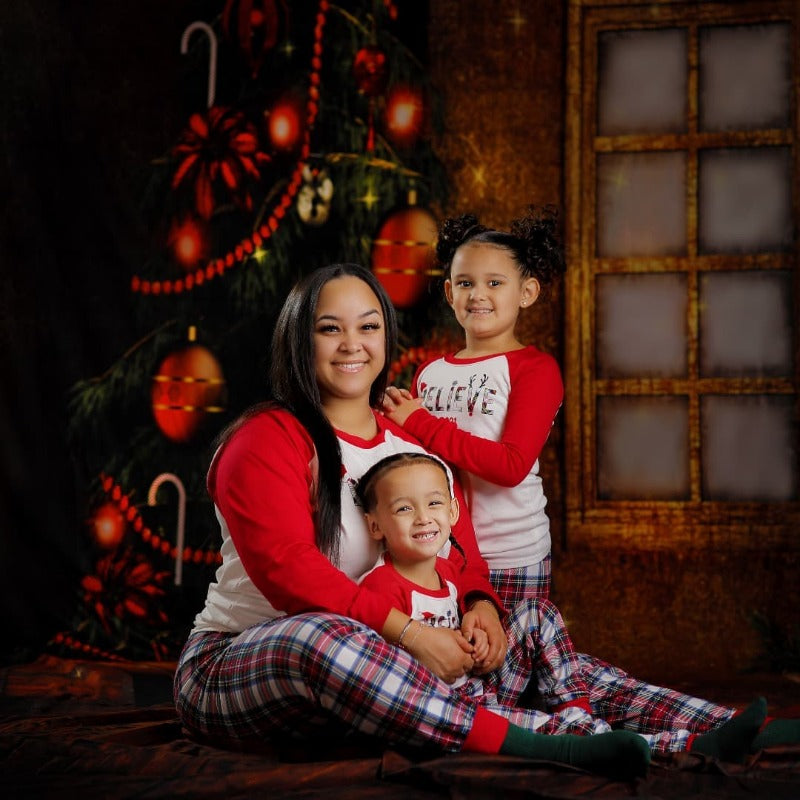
(618,754)
(732,741)
(776,732)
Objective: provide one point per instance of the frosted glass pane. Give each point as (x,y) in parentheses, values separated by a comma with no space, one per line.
(745,202)
(641,326)
(745,77)
(642,448)
(748,445)
(641,82)
(745,324)
(641,204)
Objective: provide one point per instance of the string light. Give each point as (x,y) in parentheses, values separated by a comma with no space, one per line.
(242,251)
(65,639)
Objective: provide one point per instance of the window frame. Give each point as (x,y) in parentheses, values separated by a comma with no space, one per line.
(661,523)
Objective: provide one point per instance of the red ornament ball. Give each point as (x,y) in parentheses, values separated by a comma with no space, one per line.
(107,526)
(370,70)
(403,257)
(188,386)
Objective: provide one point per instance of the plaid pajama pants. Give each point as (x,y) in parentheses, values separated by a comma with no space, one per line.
(314,674)
(522,583)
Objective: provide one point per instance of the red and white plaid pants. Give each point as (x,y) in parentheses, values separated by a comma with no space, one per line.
(314,674)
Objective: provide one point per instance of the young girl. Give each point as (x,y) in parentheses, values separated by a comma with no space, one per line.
(489,408)
(410,510)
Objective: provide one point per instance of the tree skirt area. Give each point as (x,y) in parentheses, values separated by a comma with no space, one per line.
(87,729)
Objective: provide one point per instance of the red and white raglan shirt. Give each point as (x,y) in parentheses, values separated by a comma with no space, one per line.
(262,483)
(437,608)
(490,417)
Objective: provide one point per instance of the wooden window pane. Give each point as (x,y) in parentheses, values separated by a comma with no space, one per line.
(746,324)
(747,445)
(641,204)
(745,77)
(641,326)
(745,200)
(642,82)
(642,448)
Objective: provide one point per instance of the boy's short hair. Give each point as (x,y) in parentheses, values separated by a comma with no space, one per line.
(365,488)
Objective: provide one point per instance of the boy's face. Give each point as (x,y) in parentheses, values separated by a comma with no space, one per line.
(413,513)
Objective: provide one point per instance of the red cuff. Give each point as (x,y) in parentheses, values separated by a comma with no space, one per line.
(487,734)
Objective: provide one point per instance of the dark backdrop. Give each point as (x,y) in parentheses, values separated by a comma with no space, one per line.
(89,99)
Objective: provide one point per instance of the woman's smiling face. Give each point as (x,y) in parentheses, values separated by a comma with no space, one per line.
(349,340)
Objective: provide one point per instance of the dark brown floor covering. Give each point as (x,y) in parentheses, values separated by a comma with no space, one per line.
(99,730)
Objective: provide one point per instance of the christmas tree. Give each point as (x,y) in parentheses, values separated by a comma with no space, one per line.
(307,142)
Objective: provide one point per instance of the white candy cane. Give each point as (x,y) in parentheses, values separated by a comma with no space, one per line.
(212,55)
(180,534)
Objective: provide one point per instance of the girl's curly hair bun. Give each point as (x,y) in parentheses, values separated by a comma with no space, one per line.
(453,232)
(542,253)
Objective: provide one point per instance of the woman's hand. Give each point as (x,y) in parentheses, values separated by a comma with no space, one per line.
(444,652)
(483,616)
(398,404)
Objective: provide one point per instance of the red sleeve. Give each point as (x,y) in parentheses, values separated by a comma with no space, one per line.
(536,395)
(261,482)
(382,580)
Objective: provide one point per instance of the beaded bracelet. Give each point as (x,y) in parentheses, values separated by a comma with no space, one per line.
(483,600)
(404,632)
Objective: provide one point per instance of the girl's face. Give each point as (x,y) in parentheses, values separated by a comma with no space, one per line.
(486,292)
(349,340)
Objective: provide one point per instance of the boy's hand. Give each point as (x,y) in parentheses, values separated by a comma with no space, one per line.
(480,646)
(398,404)
(484,617)
(443,651)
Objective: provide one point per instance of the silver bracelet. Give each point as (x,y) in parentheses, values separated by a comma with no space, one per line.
(420,628)
(404,632)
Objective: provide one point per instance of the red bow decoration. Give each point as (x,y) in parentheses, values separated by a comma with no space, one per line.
(128,588)
(220,146)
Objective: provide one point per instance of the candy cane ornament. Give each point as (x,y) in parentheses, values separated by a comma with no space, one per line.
(212,53)
(181,526)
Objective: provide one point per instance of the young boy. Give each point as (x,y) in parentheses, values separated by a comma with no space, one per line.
(409,507)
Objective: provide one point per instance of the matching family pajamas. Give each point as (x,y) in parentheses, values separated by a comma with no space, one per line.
(256,666)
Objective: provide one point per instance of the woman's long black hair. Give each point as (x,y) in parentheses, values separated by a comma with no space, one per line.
(294,385)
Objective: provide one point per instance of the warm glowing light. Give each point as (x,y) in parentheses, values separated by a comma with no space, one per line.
(479,176)
(404,115)
(187,240)
(108,525)
(517,21)
(284,125)
(369,198)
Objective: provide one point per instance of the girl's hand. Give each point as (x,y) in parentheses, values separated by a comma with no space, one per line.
(442,651)
(398,404)
(483,616)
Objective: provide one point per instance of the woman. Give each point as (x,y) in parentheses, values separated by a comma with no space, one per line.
(287,643)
